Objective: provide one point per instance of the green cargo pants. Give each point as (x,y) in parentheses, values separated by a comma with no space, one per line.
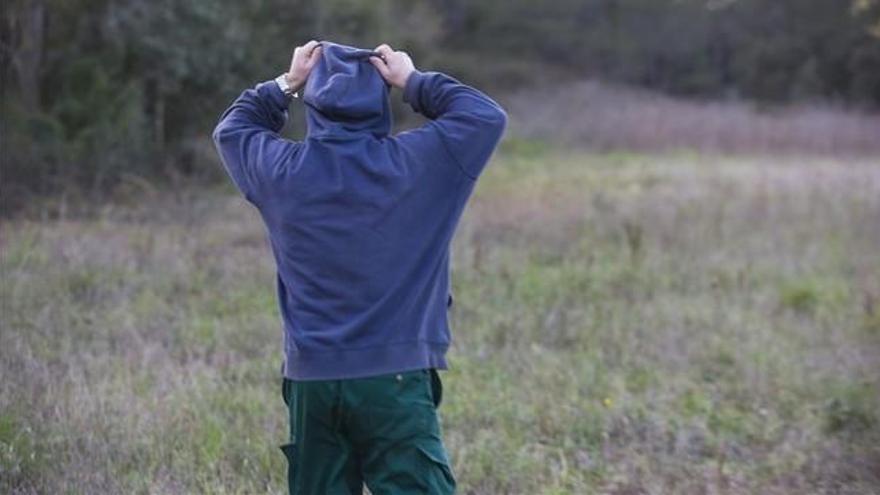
(381,431)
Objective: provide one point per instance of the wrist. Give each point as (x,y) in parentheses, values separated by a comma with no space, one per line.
(288,85)
(405,79)
(294,83)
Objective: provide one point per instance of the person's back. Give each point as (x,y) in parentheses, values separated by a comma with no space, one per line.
(360,223)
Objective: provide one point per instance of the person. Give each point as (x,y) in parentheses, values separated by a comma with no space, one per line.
(360,223)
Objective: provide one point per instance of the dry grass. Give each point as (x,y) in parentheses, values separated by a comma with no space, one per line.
(606,117)
(624,324)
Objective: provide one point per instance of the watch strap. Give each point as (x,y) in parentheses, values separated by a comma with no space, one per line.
(284,86)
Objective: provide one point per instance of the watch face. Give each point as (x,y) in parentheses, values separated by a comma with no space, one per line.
(282,84)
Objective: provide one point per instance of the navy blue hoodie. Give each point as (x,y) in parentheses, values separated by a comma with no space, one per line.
(360,221)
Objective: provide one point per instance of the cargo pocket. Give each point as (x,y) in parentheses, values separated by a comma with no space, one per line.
(289,450)
(286,383)
(436,388)
(439,474)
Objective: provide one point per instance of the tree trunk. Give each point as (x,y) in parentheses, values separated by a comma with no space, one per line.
(27,56)
(154,108)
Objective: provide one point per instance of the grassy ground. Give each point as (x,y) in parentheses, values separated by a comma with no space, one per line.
(624,325)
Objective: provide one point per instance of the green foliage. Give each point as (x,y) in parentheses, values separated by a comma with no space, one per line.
(852,409)
(524,148)
(807,295)
(872,322)
(96,90)
(802,297)
(23,455)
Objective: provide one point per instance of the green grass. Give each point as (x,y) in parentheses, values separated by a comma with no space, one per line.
(623,324)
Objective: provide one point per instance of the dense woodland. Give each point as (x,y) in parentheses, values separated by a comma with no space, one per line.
(98,90)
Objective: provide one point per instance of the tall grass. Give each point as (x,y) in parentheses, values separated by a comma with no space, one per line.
(595,115)
(623,324)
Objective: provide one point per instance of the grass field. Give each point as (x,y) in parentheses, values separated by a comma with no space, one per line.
(624,324)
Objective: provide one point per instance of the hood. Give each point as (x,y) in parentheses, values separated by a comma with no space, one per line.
(346,95)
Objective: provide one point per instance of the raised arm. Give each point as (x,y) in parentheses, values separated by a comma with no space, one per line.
(468,123)
(247,136)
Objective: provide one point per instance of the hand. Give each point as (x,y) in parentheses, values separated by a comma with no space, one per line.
(396,66)
(304,58)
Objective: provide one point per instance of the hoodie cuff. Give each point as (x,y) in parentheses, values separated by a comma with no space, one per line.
(412,90)
(271,91)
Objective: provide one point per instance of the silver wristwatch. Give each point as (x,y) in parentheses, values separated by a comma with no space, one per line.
(284,86)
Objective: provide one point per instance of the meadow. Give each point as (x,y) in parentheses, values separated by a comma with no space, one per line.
(624,323)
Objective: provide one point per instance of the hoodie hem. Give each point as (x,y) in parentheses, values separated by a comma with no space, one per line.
(364,362)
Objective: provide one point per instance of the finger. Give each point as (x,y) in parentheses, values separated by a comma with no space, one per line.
(315,56)
(384,50)
(380,66)
(305,51)
(310,46)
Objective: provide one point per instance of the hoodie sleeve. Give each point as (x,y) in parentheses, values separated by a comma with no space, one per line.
(468,123)
(247,137)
